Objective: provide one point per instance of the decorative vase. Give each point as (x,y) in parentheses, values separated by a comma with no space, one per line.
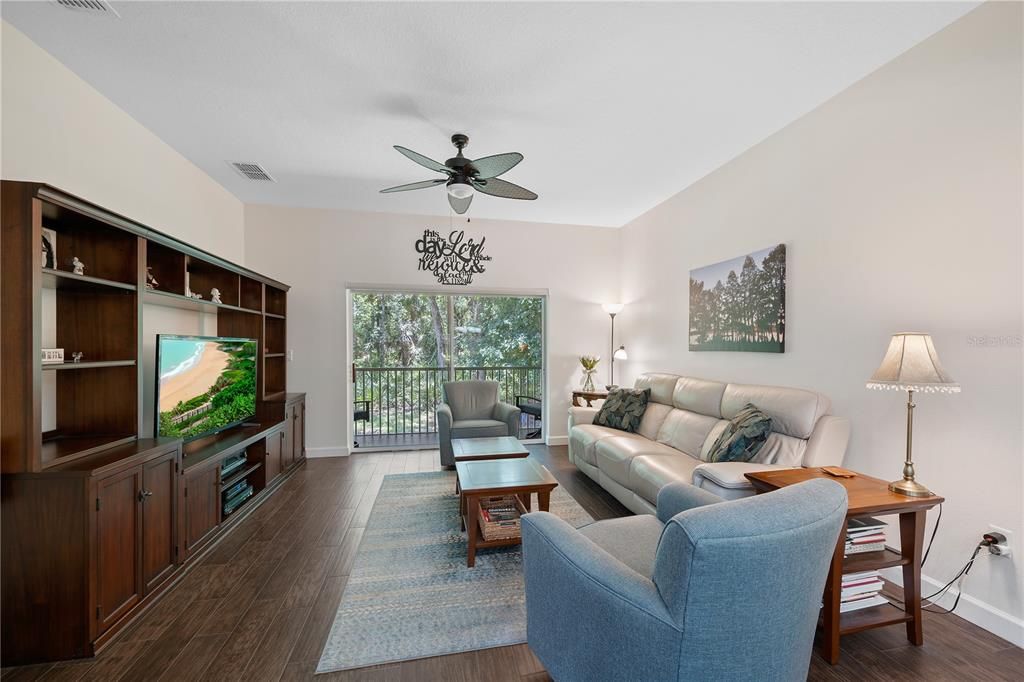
(588,379)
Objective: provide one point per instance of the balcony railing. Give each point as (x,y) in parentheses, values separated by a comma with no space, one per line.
(401,401)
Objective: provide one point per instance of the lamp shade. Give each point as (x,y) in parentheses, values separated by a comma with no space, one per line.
(620,353)
(612,308)
(911,364)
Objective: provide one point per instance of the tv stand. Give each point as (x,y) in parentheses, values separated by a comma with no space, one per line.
(203,517)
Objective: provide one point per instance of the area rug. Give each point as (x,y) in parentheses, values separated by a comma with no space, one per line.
(410,595)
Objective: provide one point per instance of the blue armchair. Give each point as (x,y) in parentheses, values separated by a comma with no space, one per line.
(471,409)
(707,590)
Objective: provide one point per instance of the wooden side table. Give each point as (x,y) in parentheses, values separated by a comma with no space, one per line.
(867,497)
(589,396)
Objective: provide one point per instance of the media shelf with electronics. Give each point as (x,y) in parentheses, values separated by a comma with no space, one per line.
(100,517)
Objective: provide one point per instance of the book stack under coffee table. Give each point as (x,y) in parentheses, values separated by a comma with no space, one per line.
(495,482)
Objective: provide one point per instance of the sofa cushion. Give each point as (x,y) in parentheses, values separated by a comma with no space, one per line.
(633,540)
(623,409)
(654,417)
(794,411)
(649,473)
(585,437)
(614,455)
(661,385)
(478,428)
(686,431)
(699,395)
(743,438)
(781,449)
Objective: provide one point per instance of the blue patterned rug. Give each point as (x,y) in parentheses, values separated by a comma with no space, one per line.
(410,594)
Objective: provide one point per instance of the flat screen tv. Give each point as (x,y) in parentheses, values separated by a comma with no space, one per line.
(204,384)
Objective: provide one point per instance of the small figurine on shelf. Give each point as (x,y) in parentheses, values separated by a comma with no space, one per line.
(76,357)
(151,282)
(196,295)
(78,267)
(215,295)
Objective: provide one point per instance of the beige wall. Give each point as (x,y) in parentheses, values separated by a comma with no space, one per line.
(57,129)
(319,252)
(900,204)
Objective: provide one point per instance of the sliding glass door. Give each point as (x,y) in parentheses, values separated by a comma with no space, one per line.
(405,345)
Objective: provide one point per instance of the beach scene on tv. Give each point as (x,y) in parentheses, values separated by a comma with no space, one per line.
(205,384)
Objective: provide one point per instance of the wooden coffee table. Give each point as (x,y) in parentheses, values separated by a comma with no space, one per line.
(474,449)
(490,477)
(469,449)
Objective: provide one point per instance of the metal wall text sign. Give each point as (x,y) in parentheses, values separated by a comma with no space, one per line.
(453,260)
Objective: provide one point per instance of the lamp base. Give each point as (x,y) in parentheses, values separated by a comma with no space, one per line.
(910,488)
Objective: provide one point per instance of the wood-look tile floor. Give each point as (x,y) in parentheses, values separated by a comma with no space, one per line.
(260,604)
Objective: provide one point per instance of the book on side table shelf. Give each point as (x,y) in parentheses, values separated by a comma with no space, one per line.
(860,591)
(864,535)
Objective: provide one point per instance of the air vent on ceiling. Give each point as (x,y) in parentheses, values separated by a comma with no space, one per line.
(90,6)
(252,171)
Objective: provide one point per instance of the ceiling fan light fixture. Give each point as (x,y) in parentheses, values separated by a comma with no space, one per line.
(460,190)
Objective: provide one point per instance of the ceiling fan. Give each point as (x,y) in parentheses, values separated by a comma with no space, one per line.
(463,176)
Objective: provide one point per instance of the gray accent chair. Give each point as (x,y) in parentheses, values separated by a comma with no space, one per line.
(471,409)
(706,590)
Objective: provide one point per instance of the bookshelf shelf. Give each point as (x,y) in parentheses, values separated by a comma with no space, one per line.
(88,365)
(172,300)
(60,449)
(59,279)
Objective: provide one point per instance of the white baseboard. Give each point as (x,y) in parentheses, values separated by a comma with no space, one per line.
(558,440)
(333,451)
(982,614)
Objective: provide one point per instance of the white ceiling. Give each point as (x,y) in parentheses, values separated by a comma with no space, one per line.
(616,106)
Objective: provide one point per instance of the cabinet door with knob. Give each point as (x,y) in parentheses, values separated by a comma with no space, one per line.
(288,447)
(159,497)
(118,536)
(202,506)
(299,431)
(275,441)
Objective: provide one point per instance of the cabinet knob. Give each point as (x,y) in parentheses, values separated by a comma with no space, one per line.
(143,494)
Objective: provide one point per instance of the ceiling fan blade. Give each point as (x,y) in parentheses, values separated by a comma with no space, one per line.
(460,206)
(415,185)
(423,161)
(493,166)
(503,189)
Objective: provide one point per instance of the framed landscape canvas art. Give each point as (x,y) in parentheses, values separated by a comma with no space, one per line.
(740,304)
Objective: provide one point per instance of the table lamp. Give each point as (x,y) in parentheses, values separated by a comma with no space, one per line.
(911,364)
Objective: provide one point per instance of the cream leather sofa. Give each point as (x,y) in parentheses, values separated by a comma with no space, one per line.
(684,417)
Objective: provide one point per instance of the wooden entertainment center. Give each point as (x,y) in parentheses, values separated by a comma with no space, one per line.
(98,518)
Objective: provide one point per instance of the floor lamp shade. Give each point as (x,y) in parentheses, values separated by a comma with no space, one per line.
(911,364)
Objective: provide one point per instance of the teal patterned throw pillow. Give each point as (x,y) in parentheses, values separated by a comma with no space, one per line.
(623,409)
(743,437)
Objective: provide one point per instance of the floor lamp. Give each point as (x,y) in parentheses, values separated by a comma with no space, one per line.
(614,354)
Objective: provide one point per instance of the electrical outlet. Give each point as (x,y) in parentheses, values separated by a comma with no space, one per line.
(1005,548)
